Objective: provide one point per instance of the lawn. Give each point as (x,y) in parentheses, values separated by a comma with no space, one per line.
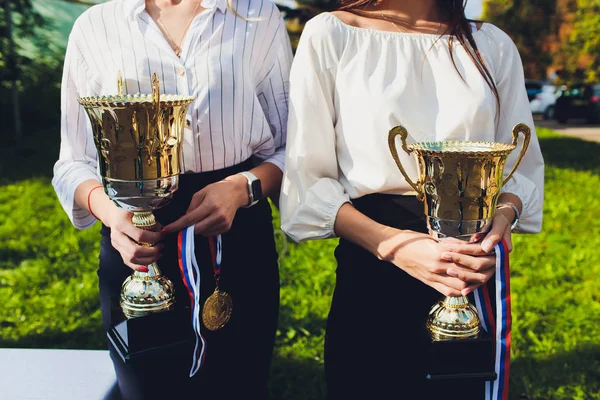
(48,279)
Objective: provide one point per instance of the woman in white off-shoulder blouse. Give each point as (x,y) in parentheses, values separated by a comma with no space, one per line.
(358,72)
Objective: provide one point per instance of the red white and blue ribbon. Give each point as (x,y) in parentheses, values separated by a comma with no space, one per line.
(500,326)
(190,273)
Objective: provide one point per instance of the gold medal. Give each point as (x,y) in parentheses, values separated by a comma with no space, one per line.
(217,310)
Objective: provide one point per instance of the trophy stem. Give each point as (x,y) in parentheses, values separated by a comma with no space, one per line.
(153,271)
(453,318)
(456,302)
(144,293)
(144,220)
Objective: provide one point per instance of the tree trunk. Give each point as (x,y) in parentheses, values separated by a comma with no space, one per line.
(12,67)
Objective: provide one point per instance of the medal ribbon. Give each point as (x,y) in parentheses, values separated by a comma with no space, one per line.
(500,328)
(190,273)
(216,252)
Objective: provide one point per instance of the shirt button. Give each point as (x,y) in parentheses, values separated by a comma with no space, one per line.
(181,71)
(188,123)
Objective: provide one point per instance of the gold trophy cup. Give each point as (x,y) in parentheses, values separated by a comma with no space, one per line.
(138,139)
(459,183)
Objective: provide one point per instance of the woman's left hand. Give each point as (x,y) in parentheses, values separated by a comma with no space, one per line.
(213,208)
(462,253)
(500,230)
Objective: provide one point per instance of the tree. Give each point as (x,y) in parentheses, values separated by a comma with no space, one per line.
(17,19)
(558,35)
(533,25)
(580,53)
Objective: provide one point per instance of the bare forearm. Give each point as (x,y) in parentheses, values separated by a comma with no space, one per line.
(356,227)
(512,199)
(270,178)
(99,203)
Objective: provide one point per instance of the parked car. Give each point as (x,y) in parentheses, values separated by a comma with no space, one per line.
(533,88)
(545,101)
(578,101)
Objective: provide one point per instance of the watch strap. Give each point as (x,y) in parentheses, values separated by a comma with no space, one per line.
(515,209)
(251,178)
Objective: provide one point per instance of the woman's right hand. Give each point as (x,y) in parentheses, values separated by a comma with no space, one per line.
(427,260)
(127,240)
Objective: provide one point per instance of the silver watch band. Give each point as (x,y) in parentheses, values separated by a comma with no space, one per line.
(251,178)
(515,209)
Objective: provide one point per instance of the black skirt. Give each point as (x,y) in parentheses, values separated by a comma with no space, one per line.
(376,341)
(238,356)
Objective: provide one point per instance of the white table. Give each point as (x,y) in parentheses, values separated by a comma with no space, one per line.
(46,374)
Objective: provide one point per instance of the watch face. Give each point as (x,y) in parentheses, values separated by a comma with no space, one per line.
(256,189)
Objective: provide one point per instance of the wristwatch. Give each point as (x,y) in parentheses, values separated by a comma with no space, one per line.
(515,209)
(254,188)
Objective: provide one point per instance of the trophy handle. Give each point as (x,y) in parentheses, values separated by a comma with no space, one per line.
(526,131)
(155,90)
(120,90)
(402,132)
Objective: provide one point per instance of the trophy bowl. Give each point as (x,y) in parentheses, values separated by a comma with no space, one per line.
(459,183)
(138,139)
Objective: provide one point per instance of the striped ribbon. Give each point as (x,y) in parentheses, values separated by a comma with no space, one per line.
(190,273)
(500,327)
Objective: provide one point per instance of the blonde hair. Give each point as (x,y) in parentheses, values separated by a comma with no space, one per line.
(232,8)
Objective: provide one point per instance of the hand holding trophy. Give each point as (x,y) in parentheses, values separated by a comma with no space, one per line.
(138,140)
(459,183)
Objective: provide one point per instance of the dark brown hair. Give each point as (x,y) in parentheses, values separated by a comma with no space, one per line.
(452,13)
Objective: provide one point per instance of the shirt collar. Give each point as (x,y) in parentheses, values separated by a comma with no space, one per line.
(134,8)
(220,4)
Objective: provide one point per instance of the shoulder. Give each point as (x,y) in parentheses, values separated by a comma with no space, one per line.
(100,16)
(264,10)
(323,28)
(98,13)
(325,37)
(498,39)
(500,52)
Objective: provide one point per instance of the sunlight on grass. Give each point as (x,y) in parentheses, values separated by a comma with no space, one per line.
(49,285)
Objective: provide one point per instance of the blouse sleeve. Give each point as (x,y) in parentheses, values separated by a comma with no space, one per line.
(528,181)
(274,89)
(77,160)
(311,194)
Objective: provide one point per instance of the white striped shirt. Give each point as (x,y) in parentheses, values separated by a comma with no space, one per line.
(237,69)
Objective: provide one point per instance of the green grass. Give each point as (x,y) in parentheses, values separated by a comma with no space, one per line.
(48,280)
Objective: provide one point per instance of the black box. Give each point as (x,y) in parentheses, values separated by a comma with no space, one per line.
(157,332)
(471,359)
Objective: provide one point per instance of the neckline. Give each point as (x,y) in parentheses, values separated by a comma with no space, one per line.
(399,34)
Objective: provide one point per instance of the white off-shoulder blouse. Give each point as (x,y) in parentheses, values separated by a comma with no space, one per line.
(349,86)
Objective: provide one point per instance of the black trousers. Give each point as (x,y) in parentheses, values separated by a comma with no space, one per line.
(238,356)
(376,340)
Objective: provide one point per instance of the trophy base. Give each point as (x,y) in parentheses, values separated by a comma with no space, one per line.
(465,359)
(159,332)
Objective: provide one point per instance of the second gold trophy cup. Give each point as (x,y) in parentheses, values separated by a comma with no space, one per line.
(459,183)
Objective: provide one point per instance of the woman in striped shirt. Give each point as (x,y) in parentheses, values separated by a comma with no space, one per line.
(234,58)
